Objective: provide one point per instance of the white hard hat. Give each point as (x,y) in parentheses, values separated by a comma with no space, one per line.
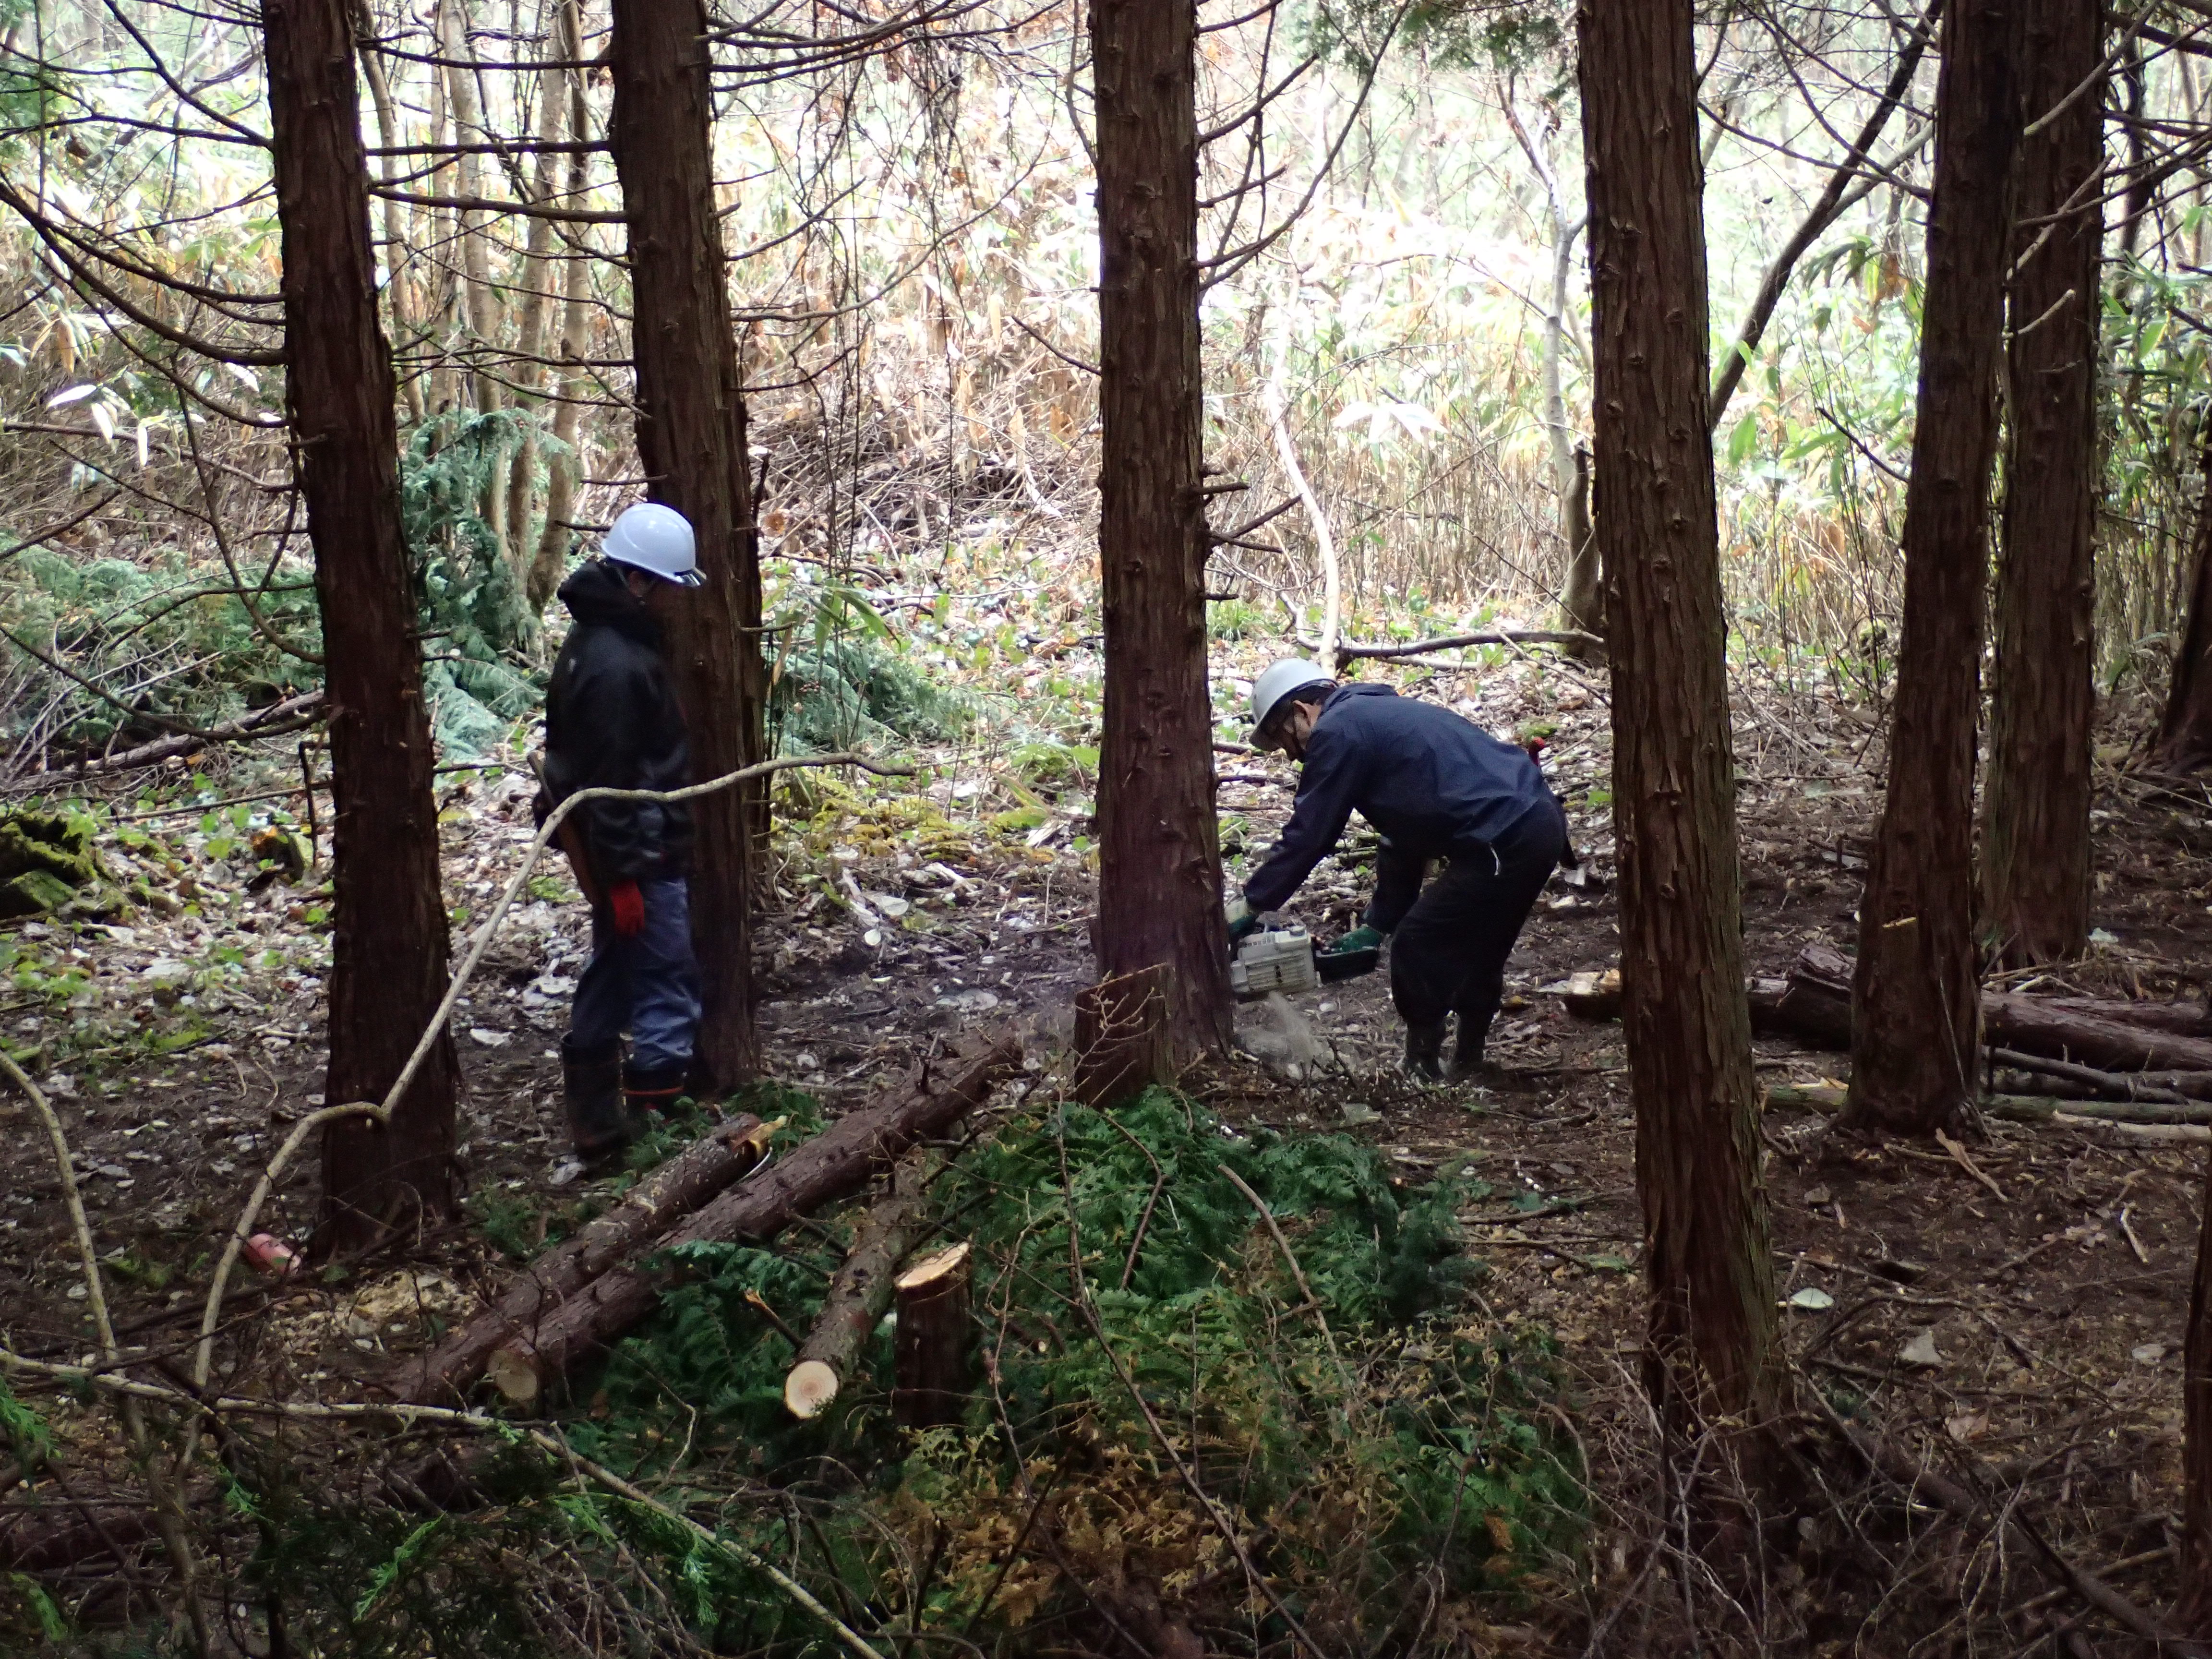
(1292,674)
(657,540)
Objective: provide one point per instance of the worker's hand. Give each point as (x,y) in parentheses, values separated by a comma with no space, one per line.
(627,906)
(1359,938)
(1241,920)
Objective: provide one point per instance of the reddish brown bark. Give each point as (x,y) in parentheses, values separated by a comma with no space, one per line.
(1712,1350)
(1159,852)
(389,946)
(691,440)
(2194,1613)
(2035,806)
(2185,730)
(1916,1054)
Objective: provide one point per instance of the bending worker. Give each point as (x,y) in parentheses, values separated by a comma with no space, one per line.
(1437,786)
(613,721)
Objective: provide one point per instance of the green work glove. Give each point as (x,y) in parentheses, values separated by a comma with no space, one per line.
(1362,937)
(1241,919)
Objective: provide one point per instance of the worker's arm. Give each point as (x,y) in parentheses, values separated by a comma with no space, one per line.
(1329,788)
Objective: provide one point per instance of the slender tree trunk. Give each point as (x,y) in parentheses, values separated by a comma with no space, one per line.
(1160,862)
(563,466)
(536,303)
(691,439)
(2185,730)
(1915,1047)
(395,239)
(2035,810)
(390,945)
(1713,1352)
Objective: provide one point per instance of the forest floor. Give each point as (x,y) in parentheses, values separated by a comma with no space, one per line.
(2014,1316)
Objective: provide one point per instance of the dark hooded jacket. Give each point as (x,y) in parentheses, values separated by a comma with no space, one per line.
(613,721)
(1434,784)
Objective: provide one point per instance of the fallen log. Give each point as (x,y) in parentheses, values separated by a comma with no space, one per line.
(1820,997)
(839,1161)
(2103,1085)
(709,1166)
(2126,1114)
(860,1294)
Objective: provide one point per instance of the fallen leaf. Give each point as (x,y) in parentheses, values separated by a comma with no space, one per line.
(1922,1350)
(1813,1299)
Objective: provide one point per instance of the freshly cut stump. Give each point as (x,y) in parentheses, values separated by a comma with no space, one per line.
(861,1292)
(932,1355)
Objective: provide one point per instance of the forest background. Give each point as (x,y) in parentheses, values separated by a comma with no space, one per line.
(1397,364)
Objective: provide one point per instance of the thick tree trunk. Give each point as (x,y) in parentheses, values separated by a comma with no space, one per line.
(831,1165)
(1916,1052)
(1159,854)
(1713,1351)
(389,948)
(2035,809)
(2185,730)
(691,439)
(701,1171)
(2194,1614)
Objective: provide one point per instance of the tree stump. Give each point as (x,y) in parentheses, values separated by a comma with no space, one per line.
(932,1369)
(1122,1041)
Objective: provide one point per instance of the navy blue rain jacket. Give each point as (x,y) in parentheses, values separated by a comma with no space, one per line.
(1433,783)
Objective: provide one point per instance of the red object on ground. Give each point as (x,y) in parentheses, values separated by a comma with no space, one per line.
(266,1253)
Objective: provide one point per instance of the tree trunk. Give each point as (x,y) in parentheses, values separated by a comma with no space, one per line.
(389,948)
(703,1170)
(1916,1053)
(1159,854)
(932,1357)
(691,439)
(1713,1351)
(2185,730)
(2035,809)
(2194,1614)
(564,469)
(1121,1047)
(837,1162)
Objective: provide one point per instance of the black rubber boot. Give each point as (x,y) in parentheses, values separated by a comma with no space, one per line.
(590,1092)
(1467,1064)
(1424,1053)
(654,1092)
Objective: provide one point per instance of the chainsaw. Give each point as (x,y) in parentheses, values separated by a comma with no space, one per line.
(1286,960)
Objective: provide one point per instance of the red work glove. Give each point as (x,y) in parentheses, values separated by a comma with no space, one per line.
(628,905)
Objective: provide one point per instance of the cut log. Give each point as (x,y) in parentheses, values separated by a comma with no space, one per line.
(2027,1109)
(707,1167)
(834,1163)
(932,1369)
(860,1294)
(1121,1039)
(1813,1005)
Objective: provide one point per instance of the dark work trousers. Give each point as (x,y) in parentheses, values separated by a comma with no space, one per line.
(1449,955)
(647,983)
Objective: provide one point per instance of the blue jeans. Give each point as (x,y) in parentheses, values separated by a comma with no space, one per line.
(648,982)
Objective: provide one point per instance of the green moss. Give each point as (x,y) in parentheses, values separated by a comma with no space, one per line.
(34,893)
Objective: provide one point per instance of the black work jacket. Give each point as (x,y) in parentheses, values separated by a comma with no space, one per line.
(1433,783)
(613,721)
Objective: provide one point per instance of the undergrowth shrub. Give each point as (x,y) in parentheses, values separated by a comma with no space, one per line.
(1388,1455)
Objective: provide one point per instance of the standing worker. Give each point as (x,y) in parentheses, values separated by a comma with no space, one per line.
(1437,786)
(613,721)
